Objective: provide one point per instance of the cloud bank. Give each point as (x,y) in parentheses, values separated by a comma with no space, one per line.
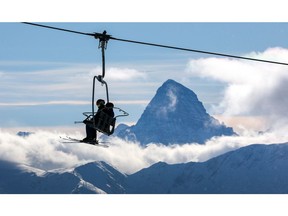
(252,88)
(44,150)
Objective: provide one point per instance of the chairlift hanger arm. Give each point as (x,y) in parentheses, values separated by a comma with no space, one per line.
(105,37)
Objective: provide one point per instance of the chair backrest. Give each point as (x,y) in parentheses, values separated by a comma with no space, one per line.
(105,123)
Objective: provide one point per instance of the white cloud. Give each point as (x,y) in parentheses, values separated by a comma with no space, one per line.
(252,88)
(173,100)
(170,106)
(118,74)
(45,150)
(127,74)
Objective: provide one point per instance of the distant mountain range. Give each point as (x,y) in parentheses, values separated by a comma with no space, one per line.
(255,169)
(24,133)
(174,115)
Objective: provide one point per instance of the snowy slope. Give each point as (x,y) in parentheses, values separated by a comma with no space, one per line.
(174,115)
(16,178)
(103,176)
(89,178)
(249,170)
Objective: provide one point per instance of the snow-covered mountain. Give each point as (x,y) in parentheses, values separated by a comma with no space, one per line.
(94,177)
(174,115)
(255,169)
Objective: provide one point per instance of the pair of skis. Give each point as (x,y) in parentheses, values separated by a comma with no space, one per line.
(68,139)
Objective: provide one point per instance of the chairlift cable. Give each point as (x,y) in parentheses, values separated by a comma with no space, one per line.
(106,37)
(60,29)
(199,51)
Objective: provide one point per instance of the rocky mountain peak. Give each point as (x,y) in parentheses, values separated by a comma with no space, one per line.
(175,115)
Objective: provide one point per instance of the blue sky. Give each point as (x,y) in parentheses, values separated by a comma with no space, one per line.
(46,75)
